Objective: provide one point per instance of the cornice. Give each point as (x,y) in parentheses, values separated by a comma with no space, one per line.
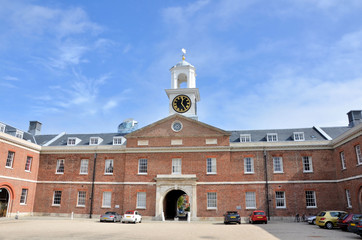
(21,143)
(347,136)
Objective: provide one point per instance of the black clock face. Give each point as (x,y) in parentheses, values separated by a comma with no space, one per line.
(181,103)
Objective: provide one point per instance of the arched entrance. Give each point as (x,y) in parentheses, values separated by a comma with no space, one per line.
(175,204)
(4,202)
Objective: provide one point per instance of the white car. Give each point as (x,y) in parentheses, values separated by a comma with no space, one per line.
(132,216)
(311,220)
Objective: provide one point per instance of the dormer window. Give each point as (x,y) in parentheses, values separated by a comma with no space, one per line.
(19,134)
(2,127)
(245,138)
(298,136)
(72,141)
(272,137)
(95,140)
(118,140)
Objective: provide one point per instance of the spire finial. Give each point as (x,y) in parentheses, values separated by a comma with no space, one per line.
(183,55)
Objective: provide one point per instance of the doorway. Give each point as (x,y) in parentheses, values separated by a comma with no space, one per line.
(176,204)
(4,202)
(360,199)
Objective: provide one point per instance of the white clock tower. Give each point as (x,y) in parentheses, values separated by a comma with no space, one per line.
(183,95)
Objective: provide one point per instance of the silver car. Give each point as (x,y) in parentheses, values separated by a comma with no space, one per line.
(111,217)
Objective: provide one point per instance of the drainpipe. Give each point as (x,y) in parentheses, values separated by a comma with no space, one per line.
(93,180)
(266,184)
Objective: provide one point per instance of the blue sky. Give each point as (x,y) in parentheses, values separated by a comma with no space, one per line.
(85,66)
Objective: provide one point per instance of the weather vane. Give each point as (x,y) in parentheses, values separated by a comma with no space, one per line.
(183,55)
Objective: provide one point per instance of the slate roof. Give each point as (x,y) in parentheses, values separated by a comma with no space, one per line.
(310,134)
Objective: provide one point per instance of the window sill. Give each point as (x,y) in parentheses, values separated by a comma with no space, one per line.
(142,173)
(281,208)
(141,208)
(278,172)
(59,173)
(80,206)
(211,173)
(55,205)
(249,172)
(308,172)
(312,207)
(108,174)
(22,204)
(106,207)
(8,167)
(250,208)
(211,209)
(27,171)
(83,173)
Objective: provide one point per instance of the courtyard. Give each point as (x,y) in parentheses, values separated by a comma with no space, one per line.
(63,228)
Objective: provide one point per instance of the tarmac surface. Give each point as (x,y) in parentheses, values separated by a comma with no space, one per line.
(31,228)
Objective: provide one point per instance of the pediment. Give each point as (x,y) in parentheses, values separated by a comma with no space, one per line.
(190,128)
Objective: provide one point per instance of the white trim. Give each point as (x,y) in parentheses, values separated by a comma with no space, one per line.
(197,183)
(324,134)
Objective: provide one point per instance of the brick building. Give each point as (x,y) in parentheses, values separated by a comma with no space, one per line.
(281,171)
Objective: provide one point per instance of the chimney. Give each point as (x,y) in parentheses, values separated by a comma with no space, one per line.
(354,117)
(34,128)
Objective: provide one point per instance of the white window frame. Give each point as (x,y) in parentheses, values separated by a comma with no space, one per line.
(141,200)
(107,199)
(348,197)
(250,200)
(71,141)
(272,137)
(118,140)
(24,196)
(81,199)
(248,165)
(108,167)
(142,166)
(176,165)
(245,137)
(28,162)
(83,169)
(94,140)
(19,134)
(298,136)
(10,159)
(211,200)
(59,170)
(280,199)
(358,154)
(310,199)
(2,127)
(278,162)
(211,165)
(343,160)
(308,164)
(57,198)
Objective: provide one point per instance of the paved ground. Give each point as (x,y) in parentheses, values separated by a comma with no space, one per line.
(58,228)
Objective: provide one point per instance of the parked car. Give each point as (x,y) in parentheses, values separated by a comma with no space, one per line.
(311,219)
(110,217)
(132,216)
(231,216)
(356,226)
(345,219)
(328,219)
(258,216)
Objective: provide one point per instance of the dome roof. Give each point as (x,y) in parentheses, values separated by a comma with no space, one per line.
(183,63)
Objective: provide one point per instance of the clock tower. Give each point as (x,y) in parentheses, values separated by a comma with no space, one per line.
(183,95)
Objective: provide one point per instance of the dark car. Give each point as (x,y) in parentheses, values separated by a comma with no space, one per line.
(258,216)
(231,216)
(110,217)
(355,226)
(345,219)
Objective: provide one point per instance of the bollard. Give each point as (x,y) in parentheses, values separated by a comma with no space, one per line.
(163,216)
(188,217)
(72,216)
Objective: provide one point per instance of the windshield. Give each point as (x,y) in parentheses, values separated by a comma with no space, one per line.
(259,213)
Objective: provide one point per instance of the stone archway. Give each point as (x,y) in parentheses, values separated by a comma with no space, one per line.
(4,202)
(175,185)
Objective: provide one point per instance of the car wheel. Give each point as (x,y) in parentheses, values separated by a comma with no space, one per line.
(313,222)
(266,222)
(140,221)
(239,222)
(329,225)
